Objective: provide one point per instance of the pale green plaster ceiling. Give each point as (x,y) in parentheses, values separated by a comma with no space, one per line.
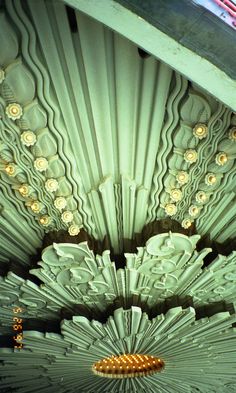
(94,135)
(196,346)
(172,43)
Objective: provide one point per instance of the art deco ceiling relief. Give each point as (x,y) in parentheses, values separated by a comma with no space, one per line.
(117,178)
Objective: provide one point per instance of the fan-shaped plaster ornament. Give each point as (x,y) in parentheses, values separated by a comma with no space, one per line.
(174,352)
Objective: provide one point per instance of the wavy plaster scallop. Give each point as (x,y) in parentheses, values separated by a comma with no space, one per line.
(185,143)
(186,119)
(189,188)
(208,178)
(19,85)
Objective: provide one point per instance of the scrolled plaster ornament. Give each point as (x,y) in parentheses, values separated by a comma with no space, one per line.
(168,266)
(221,273)
(75,276)
(75,266)
(169,243)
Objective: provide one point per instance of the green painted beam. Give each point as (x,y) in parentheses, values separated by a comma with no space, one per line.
(145,35)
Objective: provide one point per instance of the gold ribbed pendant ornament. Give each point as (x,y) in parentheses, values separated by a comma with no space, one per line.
(128,366)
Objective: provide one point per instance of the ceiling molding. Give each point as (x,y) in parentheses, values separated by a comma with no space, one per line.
(150,315)
(116,165)
(82,149)
(72,277)
(177,338)
(188,63)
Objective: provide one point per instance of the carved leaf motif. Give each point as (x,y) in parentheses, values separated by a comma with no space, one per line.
(166,282)
(21,82)
(195,109)
(157,267)
(97,283)
(9,42)
(65,189)
(70,252)
(164,244)
(46,145)
(74,276)
(34,116)
(188,142)
(55,167)
(94,287)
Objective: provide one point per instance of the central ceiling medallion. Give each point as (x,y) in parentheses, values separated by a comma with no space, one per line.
(128,366)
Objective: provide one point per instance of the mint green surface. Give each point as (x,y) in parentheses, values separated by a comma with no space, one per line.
(113,128)
(99,141)
(146,36)
(167,267)
(192,351)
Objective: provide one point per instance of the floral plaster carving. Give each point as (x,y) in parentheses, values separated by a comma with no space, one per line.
(51,185)
(104,193)
(67,216)
(41,164)
(68,138)
(14,111)
(28,138)
(74,230)
(167,266)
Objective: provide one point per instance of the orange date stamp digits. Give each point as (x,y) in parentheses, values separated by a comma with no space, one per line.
(17,327)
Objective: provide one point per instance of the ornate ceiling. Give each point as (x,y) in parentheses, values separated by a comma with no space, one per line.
(112,168)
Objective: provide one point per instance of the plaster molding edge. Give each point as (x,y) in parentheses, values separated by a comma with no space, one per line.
(138,30)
